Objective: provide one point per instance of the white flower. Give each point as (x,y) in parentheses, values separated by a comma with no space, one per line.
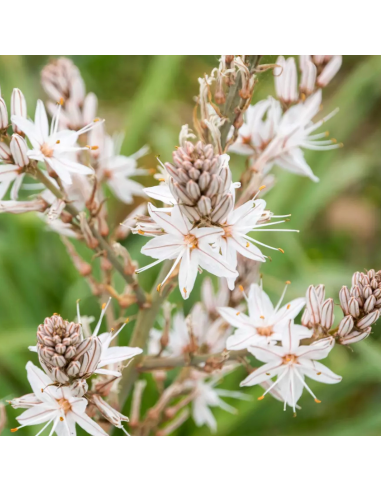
(117,169)
(279,140)
(208,396)
(265,324)
(53,147)
(209,336)
(189,246)
(235,239)
(291,363)
(54,405)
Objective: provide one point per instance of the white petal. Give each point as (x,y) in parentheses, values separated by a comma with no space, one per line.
(319,372)
(84,421)
(317,350)
(263,373)
(41,122)
(41,383)
(37,414)
(118,354)
(162,193)
(163,247)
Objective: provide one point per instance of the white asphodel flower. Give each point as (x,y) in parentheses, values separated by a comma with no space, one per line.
(291,363)
(190,246)
(53,147)
(117,169)
(207,396)
(54,405)
(235,239)
(265,324)
(276,139)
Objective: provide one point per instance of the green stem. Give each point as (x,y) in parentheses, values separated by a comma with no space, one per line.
(139,292)
(143,325)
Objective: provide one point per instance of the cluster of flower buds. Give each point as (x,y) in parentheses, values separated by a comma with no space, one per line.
(361,306)
(200,180)
(63,353)
(319,312)
(63,83)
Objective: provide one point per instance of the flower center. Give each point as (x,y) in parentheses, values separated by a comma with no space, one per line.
(65,405)
(289,359)
(265,331)
(46,150)
(227,232)
(191,241)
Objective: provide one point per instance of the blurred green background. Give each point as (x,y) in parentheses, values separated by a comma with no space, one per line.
(339,218)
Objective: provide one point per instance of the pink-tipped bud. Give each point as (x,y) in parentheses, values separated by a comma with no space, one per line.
(353,307)
(3,115)
(330,70)
(370,304)
(327,316)
(368,320)
(18,107)
(344,299)
(355,336)
(345,326)
(313,305)
(19,150)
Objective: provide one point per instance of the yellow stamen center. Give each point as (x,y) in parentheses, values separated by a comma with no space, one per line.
(46,150)
(65,405)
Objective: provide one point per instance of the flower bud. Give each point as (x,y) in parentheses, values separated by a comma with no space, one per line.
(3,115)
(353,307)
(19,150)
(313,305)
(367,291)
(91,358)
(327,314)
(79,388)
(369,304)
(344,299)
(356,278)
(320,292)
(18,107)
(345,326)
(355,336)
(73,368)
(368,320)
(330,70)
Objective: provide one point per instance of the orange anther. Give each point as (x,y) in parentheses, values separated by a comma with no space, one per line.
(317,401)
(261,397)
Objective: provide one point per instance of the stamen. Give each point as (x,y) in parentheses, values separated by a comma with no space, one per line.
(104,308)
(58,142)
(237,313)
(317,401)
(281,250)
(61,419)
(158,287)
(15,429)
(261,397)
